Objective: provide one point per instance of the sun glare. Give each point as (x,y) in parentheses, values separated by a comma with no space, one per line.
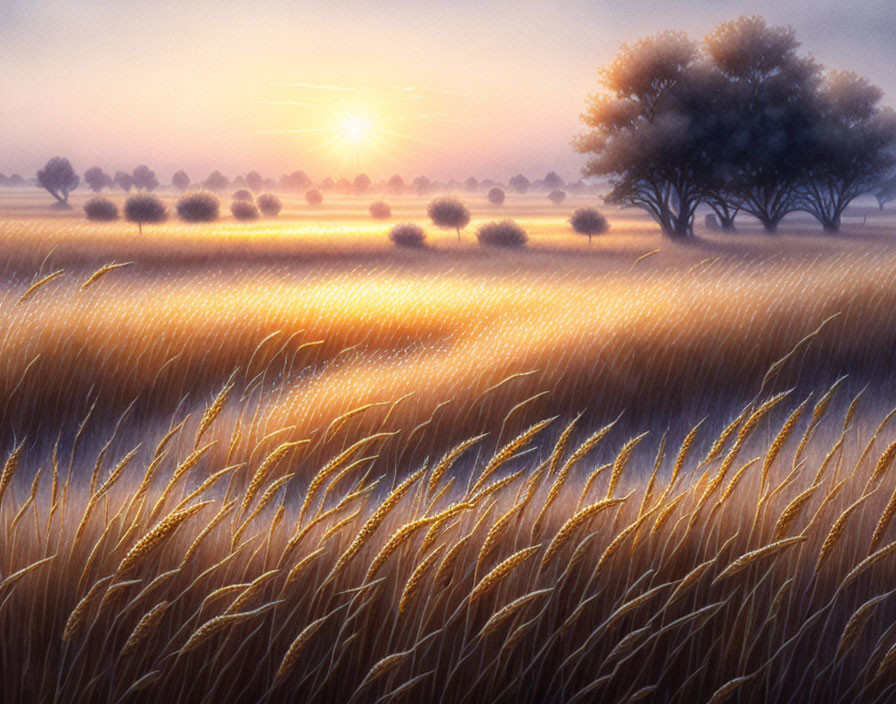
(356,128)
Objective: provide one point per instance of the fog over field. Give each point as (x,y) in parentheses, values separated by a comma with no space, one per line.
(532,352)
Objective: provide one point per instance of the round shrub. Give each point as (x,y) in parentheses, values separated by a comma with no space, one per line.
(557,196)
(244,210)
(589,221)
(407,235)
(269,204)
(449,212)
(244,194)
(198,207)
(380,210)
(496,196)
(314,197)
(101,209)
(145,208)
(502,233)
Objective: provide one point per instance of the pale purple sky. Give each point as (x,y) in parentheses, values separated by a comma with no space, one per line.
(408,86)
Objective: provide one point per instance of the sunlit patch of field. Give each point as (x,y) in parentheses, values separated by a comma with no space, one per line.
(309,381)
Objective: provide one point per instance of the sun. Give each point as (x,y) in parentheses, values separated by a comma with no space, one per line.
(356,128)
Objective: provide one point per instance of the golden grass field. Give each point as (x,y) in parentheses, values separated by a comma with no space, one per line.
(286,461)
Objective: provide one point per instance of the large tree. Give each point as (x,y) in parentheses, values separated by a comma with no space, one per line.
(641,134)
(850,147)
(59,178)
(769,92)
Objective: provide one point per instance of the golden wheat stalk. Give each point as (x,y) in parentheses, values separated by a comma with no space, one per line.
(780,440)
(499,573)
(506,452)
(102,271)
(620,463)
(212,627)
(750,558)
(569,528)
(32,289)
(291,657)
(448,461)
(145,628)
(9,469)
(163,530)
(265,468)
(412,586)
(505,614)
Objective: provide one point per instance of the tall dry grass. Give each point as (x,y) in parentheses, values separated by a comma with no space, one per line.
(174,577)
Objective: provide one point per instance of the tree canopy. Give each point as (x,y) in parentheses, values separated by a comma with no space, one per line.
(741,122)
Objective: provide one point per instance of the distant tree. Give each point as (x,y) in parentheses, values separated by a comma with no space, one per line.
(361,183)
(269,184)
(380,210)
(395,185)
(216,182)
(850,149)
(124,180)
(198,207)
(145,178)
(16,180)
(557,196)
(885,191)
(422,185)
(496,196)
(328,184)
(295,182)
(101,210)
(553,181)
(588,221)
(502,233)
(4,180)
(471,185)
(254,181)
(314,197)
(97,179)
(344,186)
(519,183)
(449,212)
(145,209)
(239,182)
(244,195)
(59,178)
(180,181)
(407,235)
(244,210)
(269,204)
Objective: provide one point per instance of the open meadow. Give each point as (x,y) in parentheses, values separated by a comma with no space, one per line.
(289,461)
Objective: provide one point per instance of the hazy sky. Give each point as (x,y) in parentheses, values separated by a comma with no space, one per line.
(449,89)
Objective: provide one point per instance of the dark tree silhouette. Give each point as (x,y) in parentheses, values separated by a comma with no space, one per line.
(101,210)
(216,182)
(59,178)
(243,194)
(124,180)
(180,181)
(850,148)
(361,183)
(471,185)
(588,221)
(314,197)
(244,210)
(97,179)
(269,204)
(145,208)
(395,185)
(296,182)
(380,210)
(502,233)
(449,212)
(553,181)
(640,136)
(254,181)
(496,196)
(519,183)
(198,207)
(422,185)
(145,179)
(885,191)
(770,88)
(407,235)
(557,196)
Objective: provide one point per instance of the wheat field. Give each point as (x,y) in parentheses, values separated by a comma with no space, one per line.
(285,462)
